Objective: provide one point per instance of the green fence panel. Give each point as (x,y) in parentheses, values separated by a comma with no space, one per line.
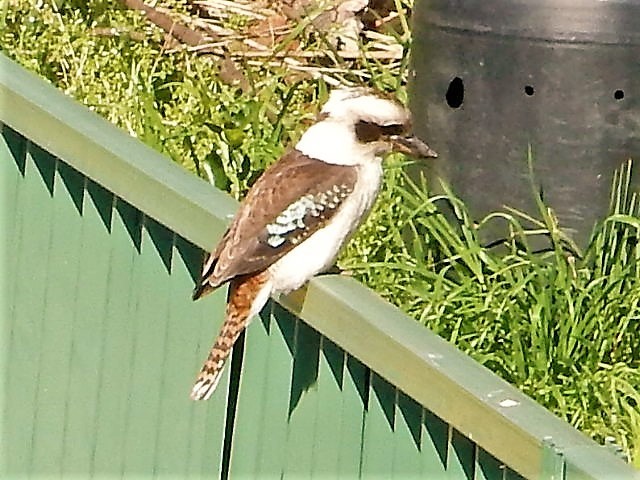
(100,339)
(100,342)
(340,413)
(261,428)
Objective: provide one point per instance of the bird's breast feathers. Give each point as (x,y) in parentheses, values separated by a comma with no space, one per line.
(319,251)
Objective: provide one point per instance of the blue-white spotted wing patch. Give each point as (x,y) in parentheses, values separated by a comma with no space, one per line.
(305,215)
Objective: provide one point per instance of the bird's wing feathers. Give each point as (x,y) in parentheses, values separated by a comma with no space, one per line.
(303,192)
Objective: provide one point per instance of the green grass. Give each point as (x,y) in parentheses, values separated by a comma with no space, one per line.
(174,102)
(560,324)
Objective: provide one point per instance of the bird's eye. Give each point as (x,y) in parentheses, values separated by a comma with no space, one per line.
(395,129)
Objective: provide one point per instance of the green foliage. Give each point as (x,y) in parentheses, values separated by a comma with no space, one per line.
(175,102)
(561,325)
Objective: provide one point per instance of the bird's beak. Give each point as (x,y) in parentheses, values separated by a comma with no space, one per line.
(412,145)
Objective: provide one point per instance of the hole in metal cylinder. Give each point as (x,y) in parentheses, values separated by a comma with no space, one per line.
(455,93)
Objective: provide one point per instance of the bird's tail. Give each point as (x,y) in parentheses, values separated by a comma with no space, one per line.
(247,295)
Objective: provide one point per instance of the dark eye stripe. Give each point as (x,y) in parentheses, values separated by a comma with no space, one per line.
(370,132)
(367,132)
(396,129)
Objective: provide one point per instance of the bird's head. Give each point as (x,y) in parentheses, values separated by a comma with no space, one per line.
(356,126)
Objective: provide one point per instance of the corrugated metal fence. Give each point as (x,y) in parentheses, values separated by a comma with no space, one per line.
(99,340)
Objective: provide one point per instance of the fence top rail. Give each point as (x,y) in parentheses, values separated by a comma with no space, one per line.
(486,409)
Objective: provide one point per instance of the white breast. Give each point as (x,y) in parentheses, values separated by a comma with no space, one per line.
(318,252)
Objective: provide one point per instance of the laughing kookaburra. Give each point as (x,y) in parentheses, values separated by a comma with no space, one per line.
(301,211)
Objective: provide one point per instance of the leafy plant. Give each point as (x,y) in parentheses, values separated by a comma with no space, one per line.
(176,101)
(559,324)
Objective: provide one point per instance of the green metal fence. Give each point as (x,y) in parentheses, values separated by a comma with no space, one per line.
(99,340)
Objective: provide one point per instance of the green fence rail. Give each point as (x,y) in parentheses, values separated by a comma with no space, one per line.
(99,340)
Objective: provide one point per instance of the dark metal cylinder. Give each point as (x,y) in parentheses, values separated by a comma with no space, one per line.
(563,76)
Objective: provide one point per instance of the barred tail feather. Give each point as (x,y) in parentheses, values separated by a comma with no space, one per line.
(211,371)
(247,296)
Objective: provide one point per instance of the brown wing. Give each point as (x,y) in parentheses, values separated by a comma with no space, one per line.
(292,199)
